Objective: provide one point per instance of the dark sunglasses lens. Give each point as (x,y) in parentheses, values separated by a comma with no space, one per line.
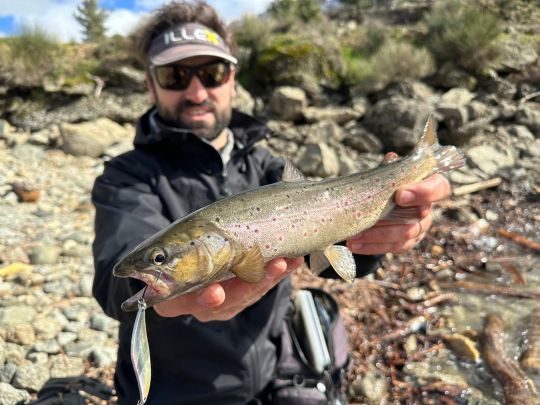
(214,75)
(172,77)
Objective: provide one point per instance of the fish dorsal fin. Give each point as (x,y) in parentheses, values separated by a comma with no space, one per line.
(318,262)
(429,136)
(251,267)
(291,173)
(342,260)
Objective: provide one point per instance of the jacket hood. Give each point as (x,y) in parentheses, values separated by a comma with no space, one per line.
(152,131)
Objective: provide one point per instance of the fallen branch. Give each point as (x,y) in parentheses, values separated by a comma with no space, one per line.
(481,185)
(529,97)
(522,240)
(506,370)
(477,288)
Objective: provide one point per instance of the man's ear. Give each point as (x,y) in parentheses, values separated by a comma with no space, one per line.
(150,87)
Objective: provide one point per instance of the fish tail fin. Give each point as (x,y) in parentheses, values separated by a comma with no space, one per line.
(446,157)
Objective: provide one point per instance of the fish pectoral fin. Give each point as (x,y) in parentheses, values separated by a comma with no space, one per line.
(251,267)
(342,260)
(291,173)
(318,262)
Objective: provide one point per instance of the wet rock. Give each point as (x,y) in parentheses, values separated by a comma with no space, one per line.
(373,386)
(462,346)
(10,395)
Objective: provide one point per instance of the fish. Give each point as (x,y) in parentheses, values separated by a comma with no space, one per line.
(237,235)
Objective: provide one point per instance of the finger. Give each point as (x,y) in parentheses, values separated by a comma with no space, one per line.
(391,233)
(434,188)
(211,296)
(382,248)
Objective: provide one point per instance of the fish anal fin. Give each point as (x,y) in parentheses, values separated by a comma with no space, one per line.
(291,173)
(318,262)
(250,268)
(342,260)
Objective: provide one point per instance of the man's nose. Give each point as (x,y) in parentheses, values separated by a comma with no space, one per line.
(196,92)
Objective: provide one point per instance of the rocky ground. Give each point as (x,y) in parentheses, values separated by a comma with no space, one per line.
(400,320)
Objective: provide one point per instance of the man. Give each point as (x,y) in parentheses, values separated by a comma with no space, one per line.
(216,345)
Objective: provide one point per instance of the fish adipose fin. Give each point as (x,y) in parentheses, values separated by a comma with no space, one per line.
(251,267)
(342,260)
(446,157)
(291,173)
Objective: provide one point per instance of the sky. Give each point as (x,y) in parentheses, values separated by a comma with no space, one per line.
(56,16)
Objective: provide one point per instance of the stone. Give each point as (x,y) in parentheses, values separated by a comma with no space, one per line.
(340,115)
(288,102)
(93,137)
(21,334)
(490,158)
(17,314)
(7,371)
(463,346)
(66,366)
(31,377)
(10,395)
(318,160)
(46,254)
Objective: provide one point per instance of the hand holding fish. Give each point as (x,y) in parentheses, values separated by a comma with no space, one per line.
(388,236)
(222,301)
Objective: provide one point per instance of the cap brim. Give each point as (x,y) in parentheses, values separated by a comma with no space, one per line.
(188,51)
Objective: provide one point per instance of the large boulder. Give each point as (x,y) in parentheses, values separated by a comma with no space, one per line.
(92,138)
(398,122)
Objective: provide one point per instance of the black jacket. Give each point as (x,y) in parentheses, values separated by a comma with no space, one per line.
(168,175)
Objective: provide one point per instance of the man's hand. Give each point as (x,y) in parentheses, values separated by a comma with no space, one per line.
(222,301)
(386,236)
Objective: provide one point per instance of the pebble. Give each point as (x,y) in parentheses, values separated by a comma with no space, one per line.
(50,325)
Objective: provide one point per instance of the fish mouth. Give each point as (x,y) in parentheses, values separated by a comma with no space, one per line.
(158,285)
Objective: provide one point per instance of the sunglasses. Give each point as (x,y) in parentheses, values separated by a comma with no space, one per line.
(177,77)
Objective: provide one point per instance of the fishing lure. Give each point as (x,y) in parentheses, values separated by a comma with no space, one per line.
(140,353)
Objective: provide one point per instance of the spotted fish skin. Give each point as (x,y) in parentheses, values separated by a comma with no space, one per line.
(292,218)
(140,353)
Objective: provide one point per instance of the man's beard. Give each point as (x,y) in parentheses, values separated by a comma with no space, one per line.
(201,129)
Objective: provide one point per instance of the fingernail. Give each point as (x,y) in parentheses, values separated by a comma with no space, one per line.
(406,197)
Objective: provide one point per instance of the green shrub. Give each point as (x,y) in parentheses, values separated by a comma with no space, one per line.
(359,72)
(303,60)
(304,10)
(464,34)
(398,60)
(33,55)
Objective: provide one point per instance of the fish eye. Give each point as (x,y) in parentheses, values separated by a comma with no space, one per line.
(158,257)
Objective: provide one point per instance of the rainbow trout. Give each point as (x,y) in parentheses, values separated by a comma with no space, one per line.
(236,236)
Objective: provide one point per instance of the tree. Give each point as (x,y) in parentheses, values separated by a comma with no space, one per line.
(92,18)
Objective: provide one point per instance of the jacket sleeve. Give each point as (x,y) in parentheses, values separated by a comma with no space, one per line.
(127,212)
